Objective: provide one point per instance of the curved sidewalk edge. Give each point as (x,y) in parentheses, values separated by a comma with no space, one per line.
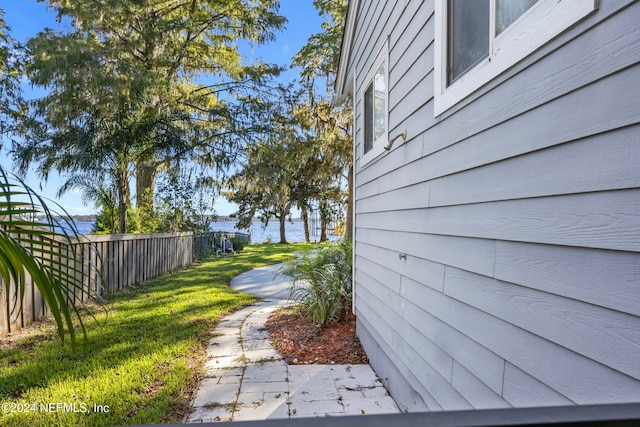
(246,379)
(263,282)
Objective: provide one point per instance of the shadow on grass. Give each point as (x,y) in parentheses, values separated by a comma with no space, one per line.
(142,362)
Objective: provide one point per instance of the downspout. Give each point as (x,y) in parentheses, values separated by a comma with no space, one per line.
(353,200)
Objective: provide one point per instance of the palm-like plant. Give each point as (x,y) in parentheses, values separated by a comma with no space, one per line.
(33,243)
(322,281)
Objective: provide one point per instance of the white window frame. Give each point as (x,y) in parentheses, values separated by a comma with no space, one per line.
(381,141)
(538,25)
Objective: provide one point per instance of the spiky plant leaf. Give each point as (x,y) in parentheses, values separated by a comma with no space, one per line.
(34,243)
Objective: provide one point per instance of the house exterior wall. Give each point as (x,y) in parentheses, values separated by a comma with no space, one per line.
(519,214)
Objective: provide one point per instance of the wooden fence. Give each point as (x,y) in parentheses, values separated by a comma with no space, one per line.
(123,259)
(204,243)
(128,259)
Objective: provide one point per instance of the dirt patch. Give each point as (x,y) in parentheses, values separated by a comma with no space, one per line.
(300,341)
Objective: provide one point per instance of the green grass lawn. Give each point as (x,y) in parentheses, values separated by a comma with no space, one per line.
(142,360)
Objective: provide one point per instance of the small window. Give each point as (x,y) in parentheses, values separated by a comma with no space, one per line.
(368,119)
(469,30)
(375,116)
(375,108)
(508,11)
(468,35)
(476,40)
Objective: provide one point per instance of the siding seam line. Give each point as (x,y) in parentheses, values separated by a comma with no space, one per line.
(504,369)
(495,253)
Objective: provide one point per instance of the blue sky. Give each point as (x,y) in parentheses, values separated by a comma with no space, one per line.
(27,17)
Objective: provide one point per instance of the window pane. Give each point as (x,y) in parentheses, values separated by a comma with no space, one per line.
(380,102)
(468,35)
(368,119)
(507,11)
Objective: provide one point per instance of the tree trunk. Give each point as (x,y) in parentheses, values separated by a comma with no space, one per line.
(325,216)
(323,229)
(305,220)
(145,177)
(348,232)
(283,237)
(113,219)
(123,199)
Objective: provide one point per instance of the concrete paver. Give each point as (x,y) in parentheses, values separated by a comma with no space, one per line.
(210,414)
(211,394)
(246,379)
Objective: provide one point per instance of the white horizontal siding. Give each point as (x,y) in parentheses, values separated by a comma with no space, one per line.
(518,212)
(435,366)
(476,255)
(522,390)
(597,163)
(578,378)
(609,337)
(600,277)
(475,391)
(607,220)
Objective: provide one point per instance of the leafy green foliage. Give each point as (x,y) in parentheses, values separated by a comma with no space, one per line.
(263,187)
(34,248)
(322,281)
(238,244)
(145,359)
(327,123)
(319,57)
(106,221)
(273,169)
(12,104)
(185,201)
(124,98)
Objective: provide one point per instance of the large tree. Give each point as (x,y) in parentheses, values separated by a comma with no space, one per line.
(284,168)
(273,167)
(26,244)
(263,187)
(11,101)
(134,85)
(328,123)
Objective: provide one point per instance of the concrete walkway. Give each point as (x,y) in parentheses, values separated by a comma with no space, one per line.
(246,379)
(263,282)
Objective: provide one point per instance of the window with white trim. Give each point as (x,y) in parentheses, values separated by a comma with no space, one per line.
(476,40)
(374,98)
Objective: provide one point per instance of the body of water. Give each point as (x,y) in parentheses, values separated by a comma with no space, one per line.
(259,233)
(84,227)
(294,231)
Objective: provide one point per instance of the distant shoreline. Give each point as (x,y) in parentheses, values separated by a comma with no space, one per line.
(92,218)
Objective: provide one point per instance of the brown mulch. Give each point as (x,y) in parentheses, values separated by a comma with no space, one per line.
(300,341)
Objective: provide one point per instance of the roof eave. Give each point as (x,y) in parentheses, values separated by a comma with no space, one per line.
(345,50)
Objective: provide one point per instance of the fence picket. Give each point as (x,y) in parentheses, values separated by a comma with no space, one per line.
(123,259)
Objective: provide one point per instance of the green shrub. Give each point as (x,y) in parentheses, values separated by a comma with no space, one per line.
(322,281)
(238,244)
